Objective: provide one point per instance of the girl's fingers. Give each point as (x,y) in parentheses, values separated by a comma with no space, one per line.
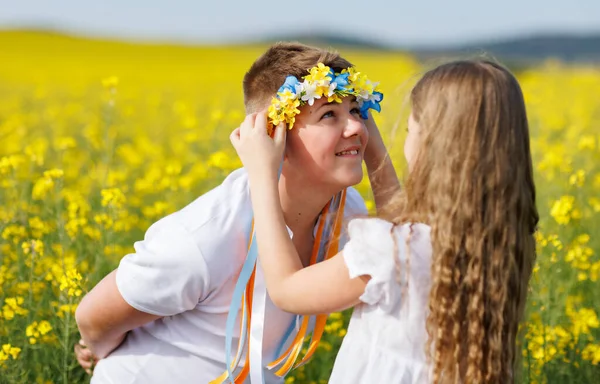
(235,137)
(279,136)
(247,124)
(261,122)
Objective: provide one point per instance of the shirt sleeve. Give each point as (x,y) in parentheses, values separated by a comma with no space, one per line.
(167,273)
(370,251)
(355,204)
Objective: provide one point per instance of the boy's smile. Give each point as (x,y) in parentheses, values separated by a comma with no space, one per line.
(322,130)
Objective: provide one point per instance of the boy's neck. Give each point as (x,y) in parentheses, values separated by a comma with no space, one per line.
(301,206)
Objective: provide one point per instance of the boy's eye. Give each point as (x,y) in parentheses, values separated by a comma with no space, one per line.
(327,114)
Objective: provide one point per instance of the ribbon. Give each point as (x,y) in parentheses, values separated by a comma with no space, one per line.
(250,298)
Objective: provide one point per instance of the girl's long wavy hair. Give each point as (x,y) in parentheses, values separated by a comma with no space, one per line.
(472,182)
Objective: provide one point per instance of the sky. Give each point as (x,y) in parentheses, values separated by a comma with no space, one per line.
(390,22)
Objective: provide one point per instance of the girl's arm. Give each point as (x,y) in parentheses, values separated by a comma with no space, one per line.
(104,317)
(321,288)
(382,175)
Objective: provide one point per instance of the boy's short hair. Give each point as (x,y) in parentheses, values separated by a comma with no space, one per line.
(283,59)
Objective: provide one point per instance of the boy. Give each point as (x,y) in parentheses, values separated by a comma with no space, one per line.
(160,316)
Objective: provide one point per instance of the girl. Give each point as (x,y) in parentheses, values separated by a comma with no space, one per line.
(440,283)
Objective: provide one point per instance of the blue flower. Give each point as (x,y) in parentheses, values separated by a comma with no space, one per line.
(341,81)
(377,96)
(364,109)
(290,83)
(372,103)
(331,75)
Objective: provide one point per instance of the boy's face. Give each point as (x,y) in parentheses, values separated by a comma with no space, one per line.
(325,149)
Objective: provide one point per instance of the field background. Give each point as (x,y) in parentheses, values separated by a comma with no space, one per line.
(99,139)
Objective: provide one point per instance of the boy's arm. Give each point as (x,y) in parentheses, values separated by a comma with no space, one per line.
(166,275)
(382,175)
(104,317)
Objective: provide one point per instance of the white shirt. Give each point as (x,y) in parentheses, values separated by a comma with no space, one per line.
(386,338)
(185,269)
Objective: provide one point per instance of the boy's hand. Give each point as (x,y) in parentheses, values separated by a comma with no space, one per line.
(85,357)
(260,154)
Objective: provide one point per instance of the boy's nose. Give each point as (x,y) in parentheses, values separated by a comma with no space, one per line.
(354,126)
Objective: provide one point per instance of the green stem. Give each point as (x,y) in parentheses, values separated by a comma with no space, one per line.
(66,344)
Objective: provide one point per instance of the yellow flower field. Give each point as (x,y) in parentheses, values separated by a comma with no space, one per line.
(100,139)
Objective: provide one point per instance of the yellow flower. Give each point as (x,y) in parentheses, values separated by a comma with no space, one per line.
(582,321)
(104,219)
(157,210)
(66,308)
(592,353)
(38,227)
(33,246)
(562,209)
(222,160)
(578,178)
(10,163)
(14,232)
(318,74)
(9,351)
(36,330)
(44,327)
(63,143)
(12,307)
(46,183)
(335,97)
(112,197)
(594,203)
(587,142)
(69,282)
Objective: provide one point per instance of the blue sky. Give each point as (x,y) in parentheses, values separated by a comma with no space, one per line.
(417,22)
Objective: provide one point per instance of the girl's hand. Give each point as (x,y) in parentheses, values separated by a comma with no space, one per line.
(375,147)
(260,154)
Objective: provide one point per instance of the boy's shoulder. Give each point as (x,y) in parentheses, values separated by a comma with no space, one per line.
(214,227)
(230,199)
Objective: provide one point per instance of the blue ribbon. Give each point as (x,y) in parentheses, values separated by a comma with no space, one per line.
(238,293)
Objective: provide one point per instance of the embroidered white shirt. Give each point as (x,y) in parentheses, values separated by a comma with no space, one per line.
(185,269)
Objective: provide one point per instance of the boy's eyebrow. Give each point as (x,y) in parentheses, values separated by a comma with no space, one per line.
(352,100)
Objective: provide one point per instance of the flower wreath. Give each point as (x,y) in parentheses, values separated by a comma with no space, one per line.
(322,81)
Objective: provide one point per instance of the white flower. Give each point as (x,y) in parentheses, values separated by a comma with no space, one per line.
(298,89)
(310,92)
(332,88)
(374,97)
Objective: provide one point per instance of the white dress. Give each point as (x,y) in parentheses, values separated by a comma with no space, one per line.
(386,337)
